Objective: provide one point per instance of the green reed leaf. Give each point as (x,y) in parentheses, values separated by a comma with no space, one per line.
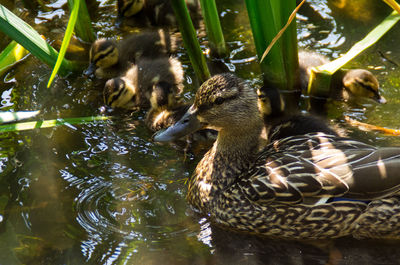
(265,23)
(213,27)
(24,34)
(21,126)
(190,40)
(12,54)
(83,25)
(67,37)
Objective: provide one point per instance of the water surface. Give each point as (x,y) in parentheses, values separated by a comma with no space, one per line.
(104,193)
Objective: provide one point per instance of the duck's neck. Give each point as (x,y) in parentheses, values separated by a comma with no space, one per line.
(231,154)
(241,143)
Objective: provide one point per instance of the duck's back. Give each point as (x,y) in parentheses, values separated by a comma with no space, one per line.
(319,165)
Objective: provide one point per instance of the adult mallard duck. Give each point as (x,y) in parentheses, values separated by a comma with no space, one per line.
(355,83)
(109,58)
(280,124)
(133,89)
(301,187)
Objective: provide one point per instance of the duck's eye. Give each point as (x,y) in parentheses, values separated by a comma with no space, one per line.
(219,100)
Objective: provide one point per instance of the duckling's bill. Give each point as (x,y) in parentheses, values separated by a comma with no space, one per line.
(90,70)
(188,124)
(380,99)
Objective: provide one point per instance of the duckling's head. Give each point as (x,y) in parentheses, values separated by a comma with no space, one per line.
(162,95)
(128,8)
(119,93)
(103,54)
(270,102)
(224,103)
(361,83)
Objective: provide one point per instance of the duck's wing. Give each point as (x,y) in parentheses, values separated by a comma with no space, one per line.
(303,169)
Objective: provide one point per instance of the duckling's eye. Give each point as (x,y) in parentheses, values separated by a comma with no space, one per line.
(219,100)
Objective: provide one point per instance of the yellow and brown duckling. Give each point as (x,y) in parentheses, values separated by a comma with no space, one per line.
(310,186)
(279,124)
(166,109)
(152,12)
(133,89)
(109,58)
(355,83)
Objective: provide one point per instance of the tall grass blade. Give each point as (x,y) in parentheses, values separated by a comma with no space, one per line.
(22,126)
(25,35)
(11,55)
(289,44)
(213,28)
(264,27)
(66,40)
(83,26)
(280,33)
(190,40)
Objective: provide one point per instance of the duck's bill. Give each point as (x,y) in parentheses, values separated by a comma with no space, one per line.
(90,69)
(381,100)
(185,126)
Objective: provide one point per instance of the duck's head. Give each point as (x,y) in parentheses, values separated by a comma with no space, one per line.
(162,96)
(270,102)
(128,8)
(119,93)
(103,54)
(224,103)
(361,83)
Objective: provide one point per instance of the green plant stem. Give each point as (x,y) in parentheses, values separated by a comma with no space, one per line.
(213,27)
(83,26)
(67,37)
(289,46)
(11,55)
(190,40)
(22,126)
(264,28)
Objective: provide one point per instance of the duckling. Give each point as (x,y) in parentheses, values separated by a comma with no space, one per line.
(109,58)
(166,109)
(152,12)
(311,186)
(279,124)
(133,89)
(356,83)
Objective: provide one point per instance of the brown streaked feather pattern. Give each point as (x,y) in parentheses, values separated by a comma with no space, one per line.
(273,198)
(308,186)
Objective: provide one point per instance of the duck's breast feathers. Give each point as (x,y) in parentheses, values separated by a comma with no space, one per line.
(302,169)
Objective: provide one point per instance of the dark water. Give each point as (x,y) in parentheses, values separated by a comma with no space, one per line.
(103,193)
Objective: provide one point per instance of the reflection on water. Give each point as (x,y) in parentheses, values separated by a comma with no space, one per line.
(103,193)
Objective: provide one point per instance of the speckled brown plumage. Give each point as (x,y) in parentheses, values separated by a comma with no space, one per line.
(310,186)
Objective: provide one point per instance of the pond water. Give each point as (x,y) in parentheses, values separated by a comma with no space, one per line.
(104,193)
